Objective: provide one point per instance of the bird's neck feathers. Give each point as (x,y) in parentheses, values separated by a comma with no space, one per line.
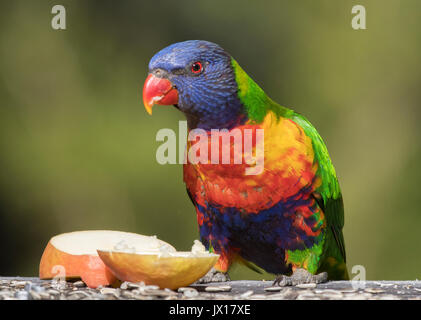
(255,101)
(239,101)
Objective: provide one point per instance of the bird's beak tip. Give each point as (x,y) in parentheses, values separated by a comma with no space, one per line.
(158,91)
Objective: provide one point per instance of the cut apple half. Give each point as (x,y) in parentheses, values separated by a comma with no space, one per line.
(74,255)
(166,269)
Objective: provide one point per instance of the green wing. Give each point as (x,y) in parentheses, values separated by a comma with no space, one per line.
(329,197)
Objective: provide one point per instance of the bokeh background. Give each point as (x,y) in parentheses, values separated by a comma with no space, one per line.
(77,149)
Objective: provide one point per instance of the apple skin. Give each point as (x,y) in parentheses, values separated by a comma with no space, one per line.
(89,268)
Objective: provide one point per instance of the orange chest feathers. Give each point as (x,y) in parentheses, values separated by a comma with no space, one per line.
(253,167)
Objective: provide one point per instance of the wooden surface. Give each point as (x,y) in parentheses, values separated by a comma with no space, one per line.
(35,289)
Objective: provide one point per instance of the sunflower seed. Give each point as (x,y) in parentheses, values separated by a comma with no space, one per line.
(182,289)
(110,291)
(386,284)
(53,292)
(307,296)
(246,294)
(142,297)
(38,289)
(151,287)
(306,285)
(171,291)
(35,295)
(218,289)
(44,295)
(124,285)
(190,293)
(73,297)
(373,290)
(79,284)
(135,285)
(128,295)
(273,289)
(158,293)
(18,284)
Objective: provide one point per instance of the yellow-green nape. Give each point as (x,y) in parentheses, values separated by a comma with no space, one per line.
(254,99)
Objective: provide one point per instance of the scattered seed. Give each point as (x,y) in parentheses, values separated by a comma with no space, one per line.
(306,285)
(108,291)
(79,284)
(373,290)
(349,291)
(135,285)
(76,295)
(73,297)
(327,291)
(218,289)
(142,297)
(246,294)
(386,284)
(190,294)
(124,285)
(127,294)
(273,289)
(171,291)
(150,287)
(44,295)
(157,293)
(35,295)
(53,292)
(33,289)
(18,284)
(38,289)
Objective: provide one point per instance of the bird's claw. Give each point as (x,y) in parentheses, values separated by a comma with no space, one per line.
(214,276)
(300,276)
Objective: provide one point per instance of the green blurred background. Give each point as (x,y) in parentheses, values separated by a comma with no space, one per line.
(77,149)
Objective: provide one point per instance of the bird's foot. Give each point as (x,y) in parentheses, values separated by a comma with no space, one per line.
(214,276)
(300,276)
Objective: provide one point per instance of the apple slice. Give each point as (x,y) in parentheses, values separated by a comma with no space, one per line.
(167,269)
(74,255)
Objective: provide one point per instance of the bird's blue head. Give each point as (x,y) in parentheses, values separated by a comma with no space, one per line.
(198,78)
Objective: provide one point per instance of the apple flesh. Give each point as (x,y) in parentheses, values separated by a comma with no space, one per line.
(74,255)
(166,269)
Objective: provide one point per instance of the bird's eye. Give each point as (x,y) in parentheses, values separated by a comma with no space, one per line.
(197,67)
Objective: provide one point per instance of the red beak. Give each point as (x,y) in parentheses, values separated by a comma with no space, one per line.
(158,91)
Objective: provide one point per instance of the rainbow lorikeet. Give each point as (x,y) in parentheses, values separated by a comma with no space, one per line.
(286,219)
